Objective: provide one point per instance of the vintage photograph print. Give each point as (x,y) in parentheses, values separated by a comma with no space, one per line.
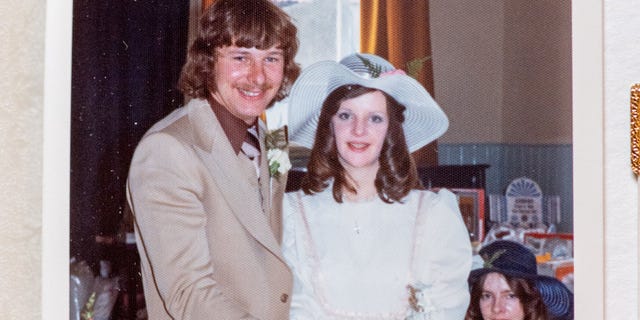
(500,71)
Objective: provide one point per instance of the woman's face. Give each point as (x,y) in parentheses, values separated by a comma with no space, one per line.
(360,127)
(498,302)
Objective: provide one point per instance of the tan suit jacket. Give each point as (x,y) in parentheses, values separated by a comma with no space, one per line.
(208,231)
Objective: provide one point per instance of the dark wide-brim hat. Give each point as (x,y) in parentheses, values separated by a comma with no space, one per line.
(424,119)
(515,260)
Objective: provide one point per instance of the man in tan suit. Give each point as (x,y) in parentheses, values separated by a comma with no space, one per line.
(207,211)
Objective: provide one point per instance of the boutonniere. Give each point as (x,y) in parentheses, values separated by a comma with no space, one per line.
(276,142)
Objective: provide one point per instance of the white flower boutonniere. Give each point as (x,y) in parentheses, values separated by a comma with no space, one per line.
(276,142)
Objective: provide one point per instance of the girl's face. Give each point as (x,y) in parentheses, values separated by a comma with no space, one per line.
(360,126)
(498,302)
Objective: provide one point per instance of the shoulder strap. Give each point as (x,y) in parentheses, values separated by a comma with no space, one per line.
(417,235)
(309,243)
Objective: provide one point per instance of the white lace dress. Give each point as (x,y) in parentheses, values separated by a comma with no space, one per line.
(354,260)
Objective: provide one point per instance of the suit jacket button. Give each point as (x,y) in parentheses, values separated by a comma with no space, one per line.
(284,297)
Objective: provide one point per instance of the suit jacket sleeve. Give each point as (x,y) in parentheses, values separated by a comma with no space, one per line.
(170,226)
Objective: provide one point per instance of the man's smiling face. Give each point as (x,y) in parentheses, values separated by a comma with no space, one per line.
(247,79)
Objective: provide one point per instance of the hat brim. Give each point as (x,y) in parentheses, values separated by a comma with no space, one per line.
(424,119)
(556,296)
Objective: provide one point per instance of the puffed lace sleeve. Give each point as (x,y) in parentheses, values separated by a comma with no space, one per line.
(294,248)
(443,255)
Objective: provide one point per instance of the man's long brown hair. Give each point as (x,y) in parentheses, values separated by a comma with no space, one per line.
(397,174)
(243,23)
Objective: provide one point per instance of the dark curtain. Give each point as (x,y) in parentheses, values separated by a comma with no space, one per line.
(399,31)
(127,57)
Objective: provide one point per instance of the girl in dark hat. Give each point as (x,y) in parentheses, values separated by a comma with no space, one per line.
(508,287)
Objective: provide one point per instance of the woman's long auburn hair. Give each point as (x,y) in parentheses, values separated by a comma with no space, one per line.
(397,175)
(243,23)
(532,303)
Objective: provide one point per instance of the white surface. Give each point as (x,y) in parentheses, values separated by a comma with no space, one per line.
(588,159)
(621,70)
(57,115)
(21,98)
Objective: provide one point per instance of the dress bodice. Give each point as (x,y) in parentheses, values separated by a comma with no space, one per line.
(355,259)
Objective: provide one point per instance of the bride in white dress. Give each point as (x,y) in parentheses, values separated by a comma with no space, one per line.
(362,238)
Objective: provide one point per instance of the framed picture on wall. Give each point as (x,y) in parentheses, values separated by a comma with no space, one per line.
(471,202)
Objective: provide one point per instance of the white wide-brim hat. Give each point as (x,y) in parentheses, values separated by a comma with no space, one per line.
(424,119)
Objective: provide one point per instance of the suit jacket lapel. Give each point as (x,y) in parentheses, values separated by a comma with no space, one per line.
(265,185)
(232,178)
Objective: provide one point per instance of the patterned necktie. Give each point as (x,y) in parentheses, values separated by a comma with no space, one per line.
(251,147)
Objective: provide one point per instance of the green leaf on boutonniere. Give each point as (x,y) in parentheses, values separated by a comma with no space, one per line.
(276,139)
